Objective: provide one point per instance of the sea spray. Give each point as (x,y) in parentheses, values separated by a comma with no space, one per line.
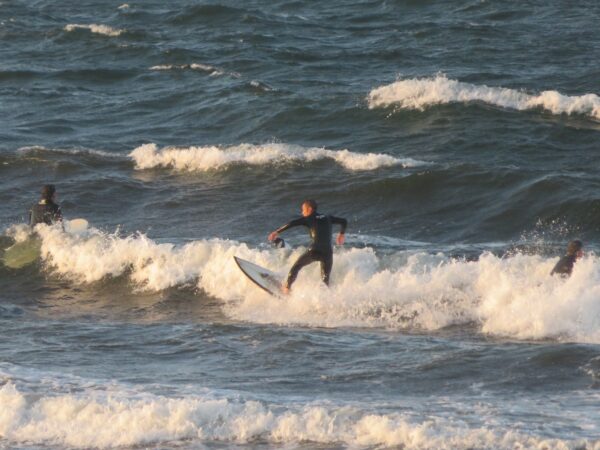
(19,232)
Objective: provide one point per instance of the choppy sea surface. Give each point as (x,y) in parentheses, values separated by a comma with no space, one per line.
(459,138)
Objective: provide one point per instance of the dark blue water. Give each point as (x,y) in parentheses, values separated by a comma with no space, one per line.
(458,138)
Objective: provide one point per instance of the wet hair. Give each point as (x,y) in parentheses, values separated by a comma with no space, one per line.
(310,202)
(574,247)
(48,191)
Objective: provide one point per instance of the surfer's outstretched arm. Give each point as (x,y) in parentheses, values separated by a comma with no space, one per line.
(293,223)
(343,224)
(340,221)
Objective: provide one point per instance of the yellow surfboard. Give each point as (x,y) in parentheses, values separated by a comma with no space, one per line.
(27,252)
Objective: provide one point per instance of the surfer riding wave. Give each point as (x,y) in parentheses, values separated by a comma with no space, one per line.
(321,247)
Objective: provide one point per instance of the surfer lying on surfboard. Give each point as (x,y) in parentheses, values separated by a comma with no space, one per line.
(320,249)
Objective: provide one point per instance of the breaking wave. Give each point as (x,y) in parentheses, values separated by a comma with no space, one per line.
(513,296)
(101,415)
(94,28)
(205,158)
(421,93)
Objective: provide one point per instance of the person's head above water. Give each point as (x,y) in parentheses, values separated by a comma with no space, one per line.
(48,192)
(575,248)
(308,207)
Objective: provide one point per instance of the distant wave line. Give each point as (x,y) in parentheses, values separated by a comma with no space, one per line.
(203,158)
(95,28)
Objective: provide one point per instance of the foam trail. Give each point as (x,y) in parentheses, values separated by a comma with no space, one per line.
(94,28)
(69,151)
(114,416)
(513,297)
(421,93)
(213,71)
(261,86)
(149,156)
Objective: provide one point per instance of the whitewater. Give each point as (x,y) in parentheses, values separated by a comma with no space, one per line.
(422,93)
(505,296)
(204,158)
(124,418)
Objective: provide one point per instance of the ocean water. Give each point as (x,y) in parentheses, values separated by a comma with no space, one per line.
(460,140)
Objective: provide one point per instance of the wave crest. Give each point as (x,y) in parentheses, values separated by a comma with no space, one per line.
(100,419)
(205,158)
(513,296)
(421,93)
(95,28)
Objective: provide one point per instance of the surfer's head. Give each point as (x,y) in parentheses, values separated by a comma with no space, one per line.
(575,248)
(48,192)
(309,207)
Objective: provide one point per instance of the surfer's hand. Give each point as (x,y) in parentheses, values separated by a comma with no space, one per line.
(273,236)
(340,239)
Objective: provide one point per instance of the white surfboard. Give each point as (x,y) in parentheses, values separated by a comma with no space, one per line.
(76,226)
(263,278)
(27,252)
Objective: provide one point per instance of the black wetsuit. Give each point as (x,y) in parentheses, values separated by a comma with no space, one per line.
(46,211)
(321,247)
(564,266)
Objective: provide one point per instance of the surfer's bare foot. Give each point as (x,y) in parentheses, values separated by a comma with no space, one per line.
(285,290)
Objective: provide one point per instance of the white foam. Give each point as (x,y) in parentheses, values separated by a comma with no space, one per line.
(262,86)
(213,71)
(513,297)
(205,158)
(19,232)
(421,93)
(95,28)
(116,417)
(124,6)
(94,256)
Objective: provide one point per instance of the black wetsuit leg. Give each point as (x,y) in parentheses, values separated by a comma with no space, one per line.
(304,260)
(326,265)
(309,257)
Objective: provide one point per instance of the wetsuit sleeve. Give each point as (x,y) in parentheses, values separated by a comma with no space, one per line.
(58,215)
(294,223)
(340,221)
